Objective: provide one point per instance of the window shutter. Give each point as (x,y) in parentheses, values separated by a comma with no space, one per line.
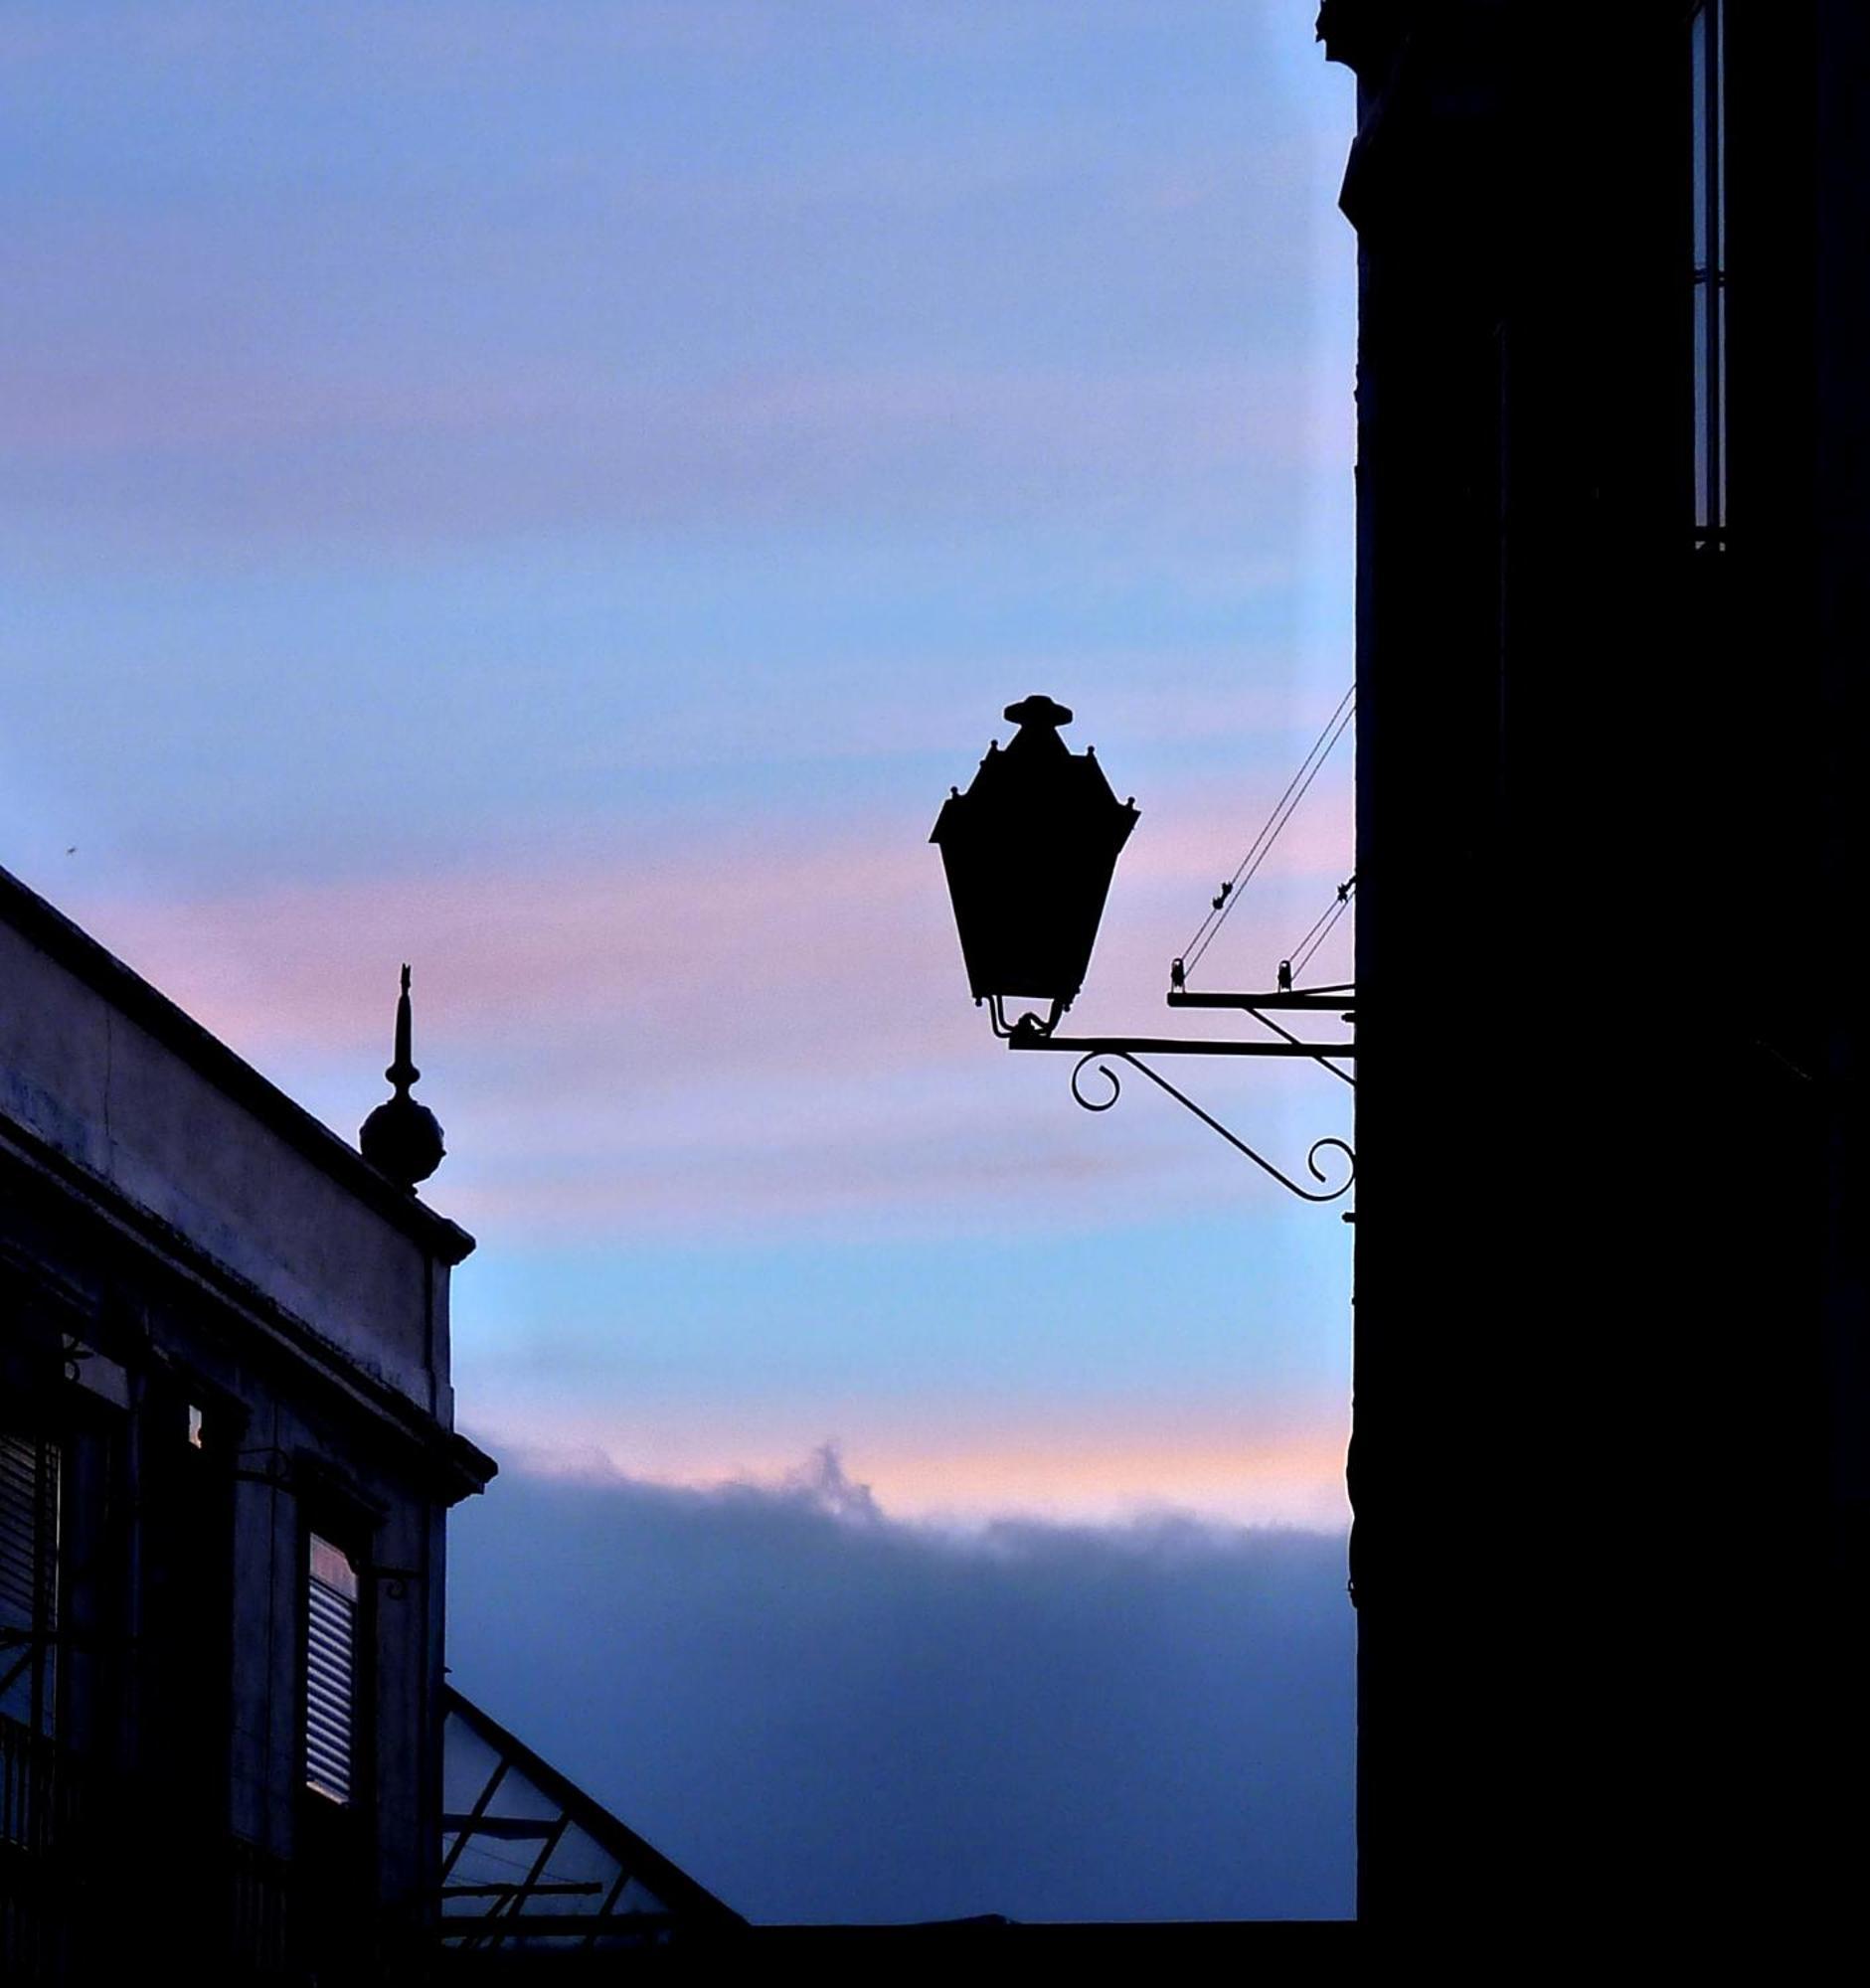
(29,1533)
(330,1670)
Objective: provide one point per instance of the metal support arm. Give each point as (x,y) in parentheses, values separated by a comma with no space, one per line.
(1240,1145)
(1022,1037)
(1031,1032)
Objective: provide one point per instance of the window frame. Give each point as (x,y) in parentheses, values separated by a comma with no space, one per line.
(1707,258)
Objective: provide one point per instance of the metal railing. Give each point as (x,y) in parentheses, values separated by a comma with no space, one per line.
(95,1871)
(48,1873)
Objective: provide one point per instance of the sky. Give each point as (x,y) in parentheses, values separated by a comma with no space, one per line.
(556,493)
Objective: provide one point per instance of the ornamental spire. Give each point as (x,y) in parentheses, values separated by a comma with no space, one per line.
(402,1138)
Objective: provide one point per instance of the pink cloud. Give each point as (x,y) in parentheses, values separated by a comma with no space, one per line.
(701,943)
(810,425)
(778,1027)
(1090,1471)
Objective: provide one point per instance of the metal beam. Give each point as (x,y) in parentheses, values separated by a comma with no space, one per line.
(1332,999)
(1032,1039)
(511,1826)
(506,1890)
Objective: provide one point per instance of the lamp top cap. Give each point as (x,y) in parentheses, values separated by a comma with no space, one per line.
(1036,710)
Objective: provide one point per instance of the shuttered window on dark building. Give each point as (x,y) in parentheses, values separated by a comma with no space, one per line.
(330,1671)
(29,1578)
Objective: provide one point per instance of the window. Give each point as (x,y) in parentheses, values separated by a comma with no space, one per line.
(30,1479)
(330,1670)
(1708,172)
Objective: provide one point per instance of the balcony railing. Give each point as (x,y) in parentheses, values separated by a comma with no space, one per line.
(94,1874)
(48,1871)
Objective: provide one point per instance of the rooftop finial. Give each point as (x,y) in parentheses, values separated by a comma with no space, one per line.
(402,1072)
(402,1138)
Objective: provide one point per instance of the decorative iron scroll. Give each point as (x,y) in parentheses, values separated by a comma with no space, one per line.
(1104,1058)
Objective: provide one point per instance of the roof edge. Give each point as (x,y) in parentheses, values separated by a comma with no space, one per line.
(74,948)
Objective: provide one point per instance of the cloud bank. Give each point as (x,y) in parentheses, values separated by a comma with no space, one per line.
(828,1715)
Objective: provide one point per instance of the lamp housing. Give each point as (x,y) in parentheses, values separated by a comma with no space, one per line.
(1030,850)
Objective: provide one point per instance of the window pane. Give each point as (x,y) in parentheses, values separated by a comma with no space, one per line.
(1702,422)
(1698,65)
(331,1567)
(1708,254)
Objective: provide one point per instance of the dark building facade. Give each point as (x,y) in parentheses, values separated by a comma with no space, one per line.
(1608,1466)
(225,1433)
(227,1457)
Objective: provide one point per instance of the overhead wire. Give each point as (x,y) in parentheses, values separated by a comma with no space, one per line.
(1261,845)
(1293,953)
(1321,930)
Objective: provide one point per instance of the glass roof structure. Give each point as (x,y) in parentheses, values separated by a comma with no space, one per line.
(531,1863)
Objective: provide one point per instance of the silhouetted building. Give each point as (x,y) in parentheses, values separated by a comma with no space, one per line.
(1613,551)
(226,1455)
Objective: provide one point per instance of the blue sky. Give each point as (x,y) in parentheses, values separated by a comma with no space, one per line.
(556,493)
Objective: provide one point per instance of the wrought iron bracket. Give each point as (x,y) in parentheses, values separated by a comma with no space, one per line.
(1339,1003)
(1026,1025)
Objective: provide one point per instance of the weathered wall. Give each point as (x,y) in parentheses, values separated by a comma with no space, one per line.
(98,1086)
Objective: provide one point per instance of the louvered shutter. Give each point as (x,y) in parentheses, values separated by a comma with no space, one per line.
(330,1670)
(29,1536)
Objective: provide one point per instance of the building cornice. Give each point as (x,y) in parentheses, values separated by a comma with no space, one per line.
(132,996)
(458,1467)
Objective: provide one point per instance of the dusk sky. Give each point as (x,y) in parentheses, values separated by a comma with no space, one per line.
(556,493)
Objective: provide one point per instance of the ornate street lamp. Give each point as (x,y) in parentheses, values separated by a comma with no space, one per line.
(1030,850)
